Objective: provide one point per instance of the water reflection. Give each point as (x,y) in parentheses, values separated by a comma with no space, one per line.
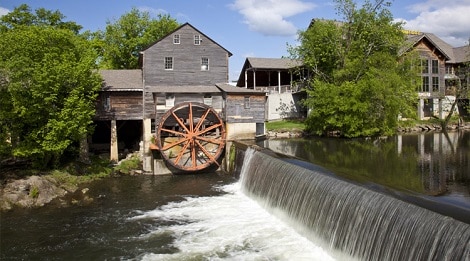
(433,164)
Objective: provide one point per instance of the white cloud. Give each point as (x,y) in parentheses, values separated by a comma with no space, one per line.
(268,17)
(152,11)
(450,20)
(3,11)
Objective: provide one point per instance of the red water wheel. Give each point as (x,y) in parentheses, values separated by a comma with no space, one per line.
(191,136)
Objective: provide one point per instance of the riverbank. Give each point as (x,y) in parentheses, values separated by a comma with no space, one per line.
(24,188)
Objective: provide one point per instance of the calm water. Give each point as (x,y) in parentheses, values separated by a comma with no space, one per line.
(208,217)
(433,166)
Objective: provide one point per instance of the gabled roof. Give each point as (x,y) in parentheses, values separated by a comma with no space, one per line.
(271,63)
(122,80)
(194,28)
(443,47)
(267,64)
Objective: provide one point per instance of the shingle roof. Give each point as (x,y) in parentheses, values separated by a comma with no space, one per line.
(122,80)
(225,87)
(462,54)
(273,63)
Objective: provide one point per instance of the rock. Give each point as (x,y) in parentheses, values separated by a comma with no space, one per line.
(33,191)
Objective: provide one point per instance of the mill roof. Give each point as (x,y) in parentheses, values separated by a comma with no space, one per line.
(121,80)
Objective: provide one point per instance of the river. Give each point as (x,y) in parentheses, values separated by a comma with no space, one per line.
(209,217)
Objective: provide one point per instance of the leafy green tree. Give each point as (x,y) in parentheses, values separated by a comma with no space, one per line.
(47,92)
(23,16)
(362,80)
(124,38)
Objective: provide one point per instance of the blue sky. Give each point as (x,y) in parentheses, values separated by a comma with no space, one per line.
(258,28)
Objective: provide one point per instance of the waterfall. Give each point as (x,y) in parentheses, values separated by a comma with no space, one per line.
(359,222)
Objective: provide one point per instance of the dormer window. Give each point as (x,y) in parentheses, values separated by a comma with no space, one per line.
(197,40)
(176,39)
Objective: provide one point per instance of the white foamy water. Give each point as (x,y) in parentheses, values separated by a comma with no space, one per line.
(227,227)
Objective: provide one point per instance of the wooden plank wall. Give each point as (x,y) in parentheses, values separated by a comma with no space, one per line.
(186,61)
(123,106)
(235,111)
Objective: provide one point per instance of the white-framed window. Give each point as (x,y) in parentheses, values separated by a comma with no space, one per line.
(204,64)
(176,39)
(168,63)
(197,39)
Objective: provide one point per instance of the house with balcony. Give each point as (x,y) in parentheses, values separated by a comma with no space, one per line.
(443,70)
(282,80)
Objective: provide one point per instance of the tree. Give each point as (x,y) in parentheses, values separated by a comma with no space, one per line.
(131,33)
(47,93)
(22,16)
(362,81)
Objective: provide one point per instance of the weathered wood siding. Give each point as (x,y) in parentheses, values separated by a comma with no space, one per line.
(162,106)
(237,111)
(186,61)
(122,106)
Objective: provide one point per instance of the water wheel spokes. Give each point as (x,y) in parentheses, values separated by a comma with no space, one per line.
(191,136)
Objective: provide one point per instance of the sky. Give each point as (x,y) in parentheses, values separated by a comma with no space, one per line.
(258,28)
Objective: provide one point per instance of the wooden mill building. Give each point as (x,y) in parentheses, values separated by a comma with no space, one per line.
(184,66)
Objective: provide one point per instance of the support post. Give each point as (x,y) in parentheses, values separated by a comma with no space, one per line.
(254,80)
(246,79)
(147,135)
(279,80)
(420,109)
(114,142)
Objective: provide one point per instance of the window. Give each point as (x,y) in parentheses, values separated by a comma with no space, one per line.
(425,86)
(208,99)
(106,102)
(435,66)
(168,63)
(425,66)
(204,64)
(197,40)
(435,84)
(247,102)
(176,39)
(170,100)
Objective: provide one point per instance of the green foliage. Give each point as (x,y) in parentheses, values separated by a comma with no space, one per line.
(22,16)
(34,192)
(285,125)
(124,38)
(362,80)
(48,92)
(126,166)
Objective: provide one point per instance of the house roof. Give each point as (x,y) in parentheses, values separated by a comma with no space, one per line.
(272,63)
(462,54)
(177,29)
(122,80)
(227,88)
(443,47)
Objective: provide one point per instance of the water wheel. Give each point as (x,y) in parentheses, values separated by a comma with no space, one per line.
(191,136)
